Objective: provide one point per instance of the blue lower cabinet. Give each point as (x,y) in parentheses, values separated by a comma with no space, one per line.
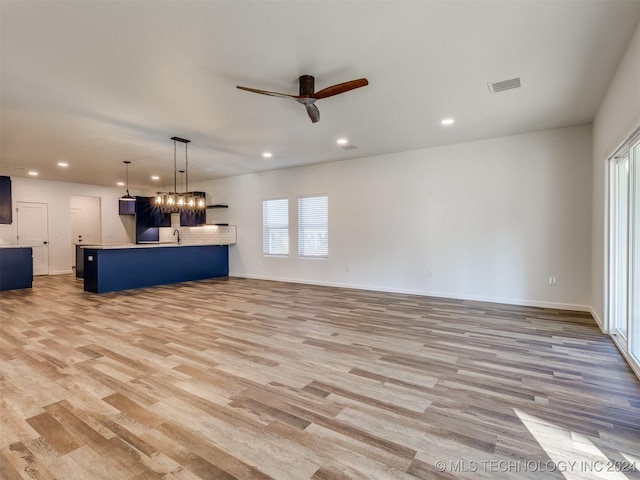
(16,268)
(114,269)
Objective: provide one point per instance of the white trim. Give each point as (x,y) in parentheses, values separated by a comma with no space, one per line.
(598,320)
(61,272)
(425,293)
(606,243)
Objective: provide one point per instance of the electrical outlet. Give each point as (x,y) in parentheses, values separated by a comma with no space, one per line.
(429,274)
(348,268)
(552,281)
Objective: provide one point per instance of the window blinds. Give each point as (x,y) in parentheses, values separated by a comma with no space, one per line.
(313,226)
(275,227)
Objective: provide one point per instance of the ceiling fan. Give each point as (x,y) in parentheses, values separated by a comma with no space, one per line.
(307,95)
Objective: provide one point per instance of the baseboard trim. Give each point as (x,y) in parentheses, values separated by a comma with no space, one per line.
(425,293)
(61,272)
(598,320)
(634,365)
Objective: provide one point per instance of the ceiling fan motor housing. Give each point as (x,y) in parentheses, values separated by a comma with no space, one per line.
(306,85)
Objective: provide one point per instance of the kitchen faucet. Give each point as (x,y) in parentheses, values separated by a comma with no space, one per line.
(178,232)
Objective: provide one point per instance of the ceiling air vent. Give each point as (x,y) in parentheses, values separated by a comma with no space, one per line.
(14,167)
(503,85)
(349,147)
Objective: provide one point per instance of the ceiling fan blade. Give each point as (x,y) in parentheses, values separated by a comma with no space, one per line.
(314,113)
(264,92)
(340,88)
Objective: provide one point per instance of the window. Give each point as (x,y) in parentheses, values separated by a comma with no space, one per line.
(313,226)
(275,227)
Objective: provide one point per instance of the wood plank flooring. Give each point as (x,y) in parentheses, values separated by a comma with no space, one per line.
(236,378)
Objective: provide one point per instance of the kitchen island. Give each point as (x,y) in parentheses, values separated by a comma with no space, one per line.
(112,268)
(16,267)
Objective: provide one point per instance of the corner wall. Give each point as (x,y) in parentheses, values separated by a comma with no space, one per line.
(617,117)
(488,220)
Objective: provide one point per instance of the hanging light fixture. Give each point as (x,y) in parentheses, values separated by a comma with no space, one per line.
(181,196)
(127,197)
(176,201)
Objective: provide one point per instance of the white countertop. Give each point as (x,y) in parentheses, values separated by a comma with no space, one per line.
(148,245)
(14,246)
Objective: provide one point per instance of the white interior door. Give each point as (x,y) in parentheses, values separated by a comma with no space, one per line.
(33,231)
(76,232)
(89,223)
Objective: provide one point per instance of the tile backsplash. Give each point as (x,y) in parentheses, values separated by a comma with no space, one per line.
(201,235)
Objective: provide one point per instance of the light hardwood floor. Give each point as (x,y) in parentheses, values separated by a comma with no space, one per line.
(248,379)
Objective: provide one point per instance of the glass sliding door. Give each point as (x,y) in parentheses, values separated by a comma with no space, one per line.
(633,329)
(624,250)
(619,242)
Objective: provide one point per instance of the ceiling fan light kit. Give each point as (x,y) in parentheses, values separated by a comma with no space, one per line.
(308,96)
(176,201)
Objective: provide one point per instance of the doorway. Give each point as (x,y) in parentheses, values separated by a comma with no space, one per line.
(86,222)
(33,231)
(76,232)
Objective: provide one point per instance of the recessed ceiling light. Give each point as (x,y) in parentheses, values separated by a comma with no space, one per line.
(447,121)
(155,177)
(63,164)
(267,154)
(120,184)
(342,141)
(33,174)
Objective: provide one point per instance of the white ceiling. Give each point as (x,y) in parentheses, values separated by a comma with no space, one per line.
(94,83)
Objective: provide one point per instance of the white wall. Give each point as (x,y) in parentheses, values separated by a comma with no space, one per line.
(57,195)
(617,117)
(491,220)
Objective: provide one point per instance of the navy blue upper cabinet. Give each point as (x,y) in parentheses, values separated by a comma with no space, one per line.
(158,218)
(126,207)
(144,231)
(5,200)
(192,218)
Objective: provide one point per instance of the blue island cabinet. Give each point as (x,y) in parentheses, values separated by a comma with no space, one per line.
(16,268)
(109,269)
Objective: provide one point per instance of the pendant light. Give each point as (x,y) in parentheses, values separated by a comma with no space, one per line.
(184,200)
(127,197)
(181,196)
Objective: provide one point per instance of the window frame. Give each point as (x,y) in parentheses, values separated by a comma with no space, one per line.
(266,229)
